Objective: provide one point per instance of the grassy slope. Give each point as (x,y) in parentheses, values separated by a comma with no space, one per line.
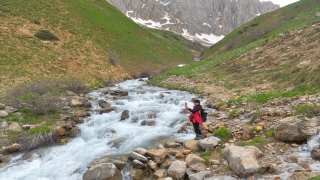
(88,32)
(289,17)
(267,61)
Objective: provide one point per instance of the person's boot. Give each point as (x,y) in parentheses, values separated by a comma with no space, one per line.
(198,137)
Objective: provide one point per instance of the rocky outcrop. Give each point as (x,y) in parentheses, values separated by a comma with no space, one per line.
(104,171)
(205,21)
(294,129)
(125,115)
(244,160)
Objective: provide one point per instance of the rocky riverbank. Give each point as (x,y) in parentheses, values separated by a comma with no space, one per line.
(282,134)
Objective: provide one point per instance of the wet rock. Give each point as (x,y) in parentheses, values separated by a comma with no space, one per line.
(209,143)
(294,129)
(244,160)
(119,164)
(177,169)
(158,155)
(104,171)
(124,115)
(139,157)
(141,151)
(193,159)
(119,93)
(200,175)
(160,146)
(3,114)
(152,115)
(159,174)
(13,148)
(105,110)
(136,174)
(3,125)
(171,145)
(192,145)
(315,153)
(148,123)
(221,178)
(10,109)
(15,127)
(152,165)
(104,104)
(198,167)
(137,164)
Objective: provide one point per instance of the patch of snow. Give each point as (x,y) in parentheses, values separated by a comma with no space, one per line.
(143,5)
(205,24)
(165,3)
(220,26)
(258,14)
(149,23)
(210,39)
(166,17)
(127,14)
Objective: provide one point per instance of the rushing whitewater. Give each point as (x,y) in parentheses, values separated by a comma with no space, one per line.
(105,135)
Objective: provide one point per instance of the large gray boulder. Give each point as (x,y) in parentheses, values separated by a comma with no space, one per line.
(244,160)
(177,169)
(294,129)
(10,109)
(200,175)
(209,143)
(221,178)
(158,155)
(3,114)
(104,171)
(139,157)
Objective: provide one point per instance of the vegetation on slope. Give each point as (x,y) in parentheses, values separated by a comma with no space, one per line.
(86,33)
(285,59)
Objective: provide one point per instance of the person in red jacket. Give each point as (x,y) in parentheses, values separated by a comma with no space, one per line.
(195,118)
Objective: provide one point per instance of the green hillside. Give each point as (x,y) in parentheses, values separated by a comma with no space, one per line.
(267,25)
(95,42)
(275,55)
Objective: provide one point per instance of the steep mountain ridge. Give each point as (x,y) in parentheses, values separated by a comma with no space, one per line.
(206,21)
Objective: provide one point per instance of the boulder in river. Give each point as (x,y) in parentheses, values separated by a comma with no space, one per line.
(244,160)
(104,104)
(119,93)
(136,174)
(315,153)
(136,156)
(125,115)
(105,110)
(171,145)
(152,165)
(137,164)
(148,123)
(209,143)
(158,155)
(177,169)
(119,164)
(104,171)
(141,151)
(294,129)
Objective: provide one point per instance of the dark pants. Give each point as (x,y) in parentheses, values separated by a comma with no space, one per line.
(196,128)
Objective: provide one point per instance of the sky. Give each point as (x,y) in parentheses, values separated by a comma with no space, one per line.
(282,2)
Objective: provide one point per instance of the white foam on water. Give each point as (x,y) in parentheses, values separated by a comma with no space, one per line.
(104,135)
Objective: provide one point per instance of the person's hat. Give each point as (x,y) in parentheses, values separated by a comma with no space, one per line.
(196,101)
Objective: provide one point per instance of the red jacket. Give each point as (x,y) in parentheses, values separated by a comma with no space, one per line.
(195,115)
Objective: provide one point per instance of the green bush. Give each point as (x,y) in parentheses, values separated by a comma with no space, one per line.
(46,35)
(40,130)
(229,168)
(270,132)
(222,133)
(307,110)
(257,142)
(315,178)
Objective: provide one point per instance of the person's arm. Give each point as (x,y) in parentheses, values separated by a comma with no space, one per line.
(196,109)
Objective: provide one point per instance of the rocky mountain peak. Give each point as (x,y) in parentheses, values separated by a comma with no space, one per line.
(205,21)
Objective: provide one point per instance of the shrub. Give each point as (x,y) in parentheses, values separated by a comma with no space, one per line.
(114,58)
(205,154)
(229,168)
(270,132)
(257,142)
(315,178)
(307,110)
(46,35)
(40,130)
(222,133)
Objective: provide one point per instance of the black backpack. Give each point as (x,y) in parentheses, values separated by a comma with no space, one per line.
(204,115)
